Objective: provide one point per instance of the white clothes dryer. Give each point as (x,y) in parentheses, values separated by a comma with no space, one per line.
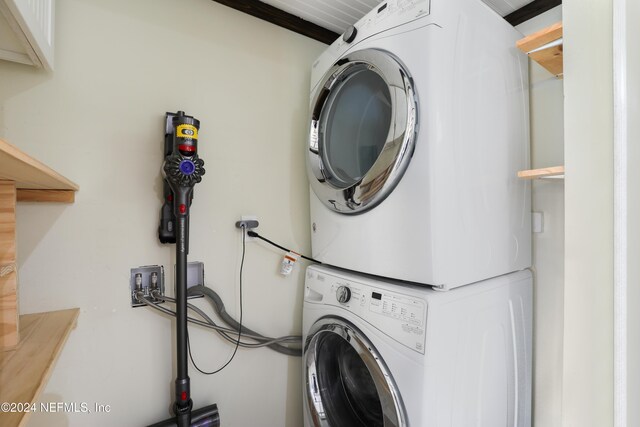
(418,126)
(379,354)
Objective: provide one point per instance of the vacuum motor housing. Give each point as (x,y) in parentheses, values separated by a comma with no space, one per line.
(182,169)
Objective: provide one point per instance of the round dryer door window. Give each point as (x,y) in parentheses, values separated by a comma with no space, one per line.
(347,382)
(362,135)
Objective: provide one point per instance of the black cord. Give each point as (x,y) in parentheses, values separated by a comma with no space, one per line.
(235,350)
(252,233)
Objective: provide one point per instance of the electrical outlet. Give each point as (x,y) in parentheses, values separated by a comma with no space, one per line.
(250,222)
(537,222)
(145,279)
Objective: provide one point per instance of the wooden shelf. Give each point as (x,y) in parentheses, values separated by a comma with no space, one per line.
(24,372)
(552,172)
(33,342)
(545,47)
(34,181)
(22,178)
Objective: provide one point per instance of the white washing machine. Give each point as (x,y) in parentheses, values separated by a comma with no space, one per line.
(377,354)
(418,126)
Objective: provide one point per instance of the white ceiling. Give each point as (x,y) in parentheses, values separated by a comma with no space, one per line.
(334,15)
(338,15)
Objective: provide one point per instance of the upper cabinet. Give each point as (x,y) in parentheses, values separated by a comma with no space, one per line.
(26,32)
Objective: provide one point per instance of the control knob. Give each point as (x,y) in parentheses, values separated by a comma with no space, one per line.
(350,34)
(343,294)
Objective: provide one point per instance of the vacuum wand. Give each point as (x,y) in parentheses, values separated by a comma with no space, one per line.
(183,169)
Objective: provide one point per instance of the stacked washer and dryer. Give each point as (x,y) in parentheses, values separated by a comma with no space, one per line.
(421,313)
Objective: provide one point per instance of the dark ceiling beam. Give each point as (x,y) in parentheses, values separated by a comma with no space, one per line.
(281,18)
(531,10)
(298,25)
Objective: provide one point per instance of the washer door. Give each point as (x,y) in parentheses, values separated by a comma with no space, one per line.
(362,134)
(347,382)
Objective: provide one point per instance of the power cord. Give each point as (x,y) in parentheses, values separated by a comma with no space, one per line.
(226,333)
(252,233)
(235,350)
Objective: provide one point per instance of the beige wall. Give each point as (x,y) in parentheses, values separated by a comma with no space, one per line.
(98,119)
(633,200)
(547,149)
(587,395)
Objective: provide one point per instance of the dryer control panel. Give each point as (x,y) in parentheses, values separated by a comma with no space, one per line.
(389,14)
(386,16)
(400,315)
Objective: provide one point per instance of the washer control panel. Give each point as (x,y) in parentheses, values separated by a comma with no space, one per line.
(399,315)
(397,307)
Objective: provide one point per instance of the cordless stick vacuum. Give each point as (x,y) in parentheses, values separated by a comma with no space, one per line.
(182,170)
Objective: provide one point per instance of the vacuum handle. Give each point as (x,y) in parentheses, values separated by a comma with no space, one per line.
(167,228)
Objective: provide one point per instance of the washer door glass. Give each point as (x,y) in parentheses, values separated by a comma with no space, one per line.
(347,382)
(363,125)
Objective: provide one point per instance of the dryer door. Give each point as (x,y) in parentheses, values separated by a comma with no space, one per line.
(347,384)
(362,131)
